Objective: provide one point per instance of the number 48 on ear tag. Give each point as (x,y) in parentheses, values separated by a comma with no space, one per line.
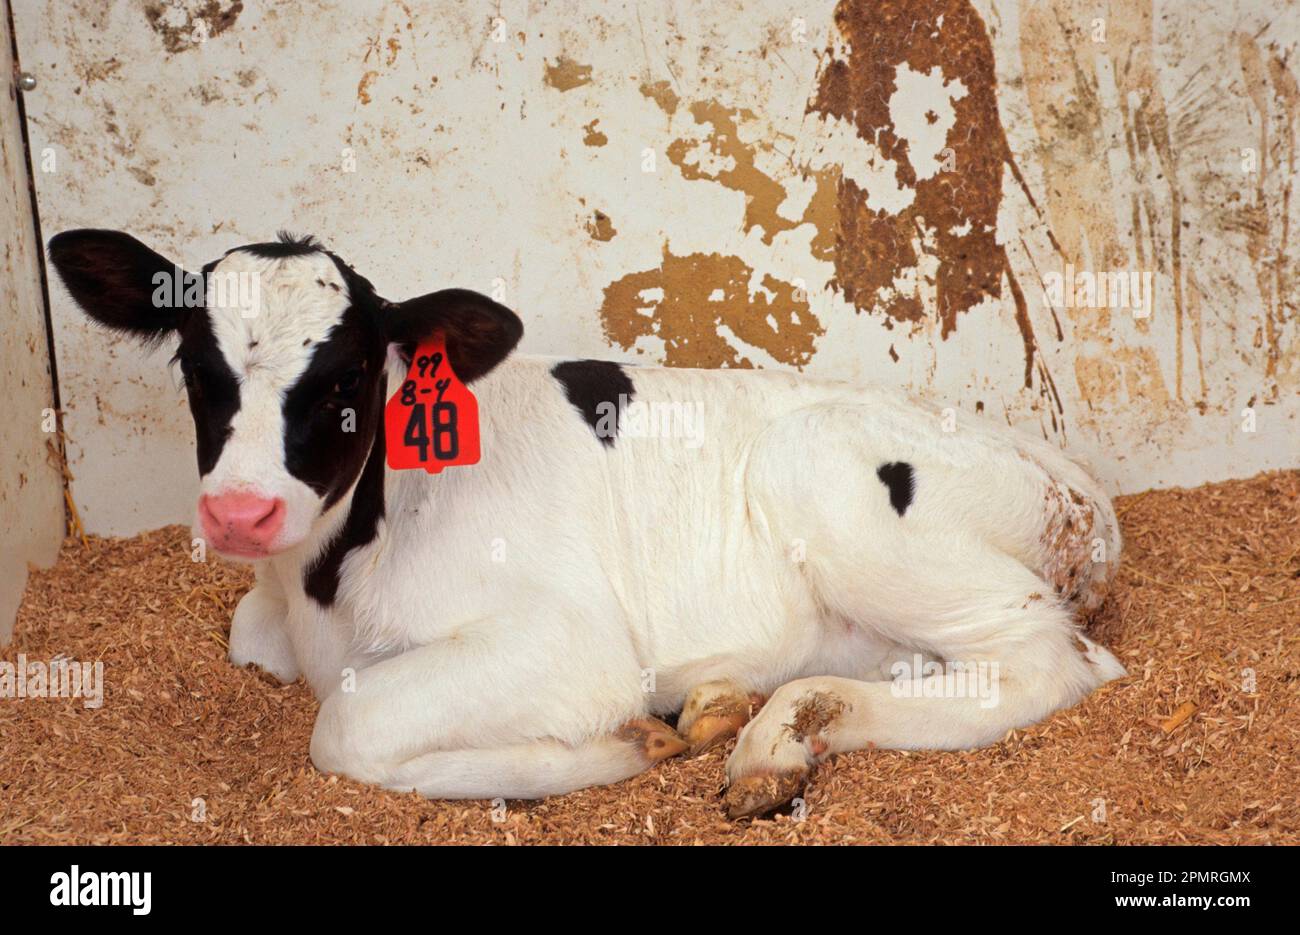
(432,421)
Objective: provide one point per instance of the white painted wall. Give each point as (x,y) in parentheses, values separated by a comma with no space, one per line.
(429,153)
(31,490)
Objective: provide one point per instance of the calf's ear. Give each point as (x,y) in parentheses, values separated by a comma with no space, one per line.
(121,283)
(480,333)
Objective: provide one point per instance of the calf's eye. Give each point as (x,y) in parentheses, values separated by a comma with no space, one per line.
(190,375)
(348,383)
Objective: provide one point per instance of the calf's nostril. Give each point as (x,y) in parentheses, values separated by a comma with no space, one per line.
(269,517)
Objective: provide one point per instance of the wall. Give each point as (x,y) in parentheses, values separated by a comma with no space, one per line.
(869,190)
(31,488)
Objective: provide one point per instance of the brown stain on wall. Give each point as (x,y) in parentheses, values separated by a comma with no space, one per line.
(1273,93)
(363,86)
(90,72)
(953,217)
(702,291)
(592,136)
(566,74)
(661,92)
(208,20)
(600,227)
(699,293)
(764,194)
(1061,84)
(1062,56)
(823,213)
(1153,155)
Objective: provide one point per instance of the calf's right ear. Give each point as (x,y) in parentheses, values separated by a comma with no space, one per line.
(121,283)
(480,333)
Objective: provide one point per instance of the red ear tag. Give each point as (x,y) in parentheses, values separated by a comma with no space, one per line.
(432,421)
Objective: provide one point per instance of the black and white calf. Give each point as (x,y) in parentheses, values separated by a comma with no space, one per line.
(513,628)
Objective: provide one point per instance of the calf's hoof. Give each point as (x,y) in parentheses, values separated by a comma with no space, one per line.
(715,712)
(653,738)
(756,796)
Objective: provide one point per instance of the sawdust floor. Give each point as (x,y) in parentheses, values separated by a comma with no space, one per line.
(1209,594)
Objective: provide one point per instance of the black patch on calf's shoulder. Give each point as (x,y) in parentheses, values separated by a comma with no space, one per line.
(593,386)
(321,578)
(901,481)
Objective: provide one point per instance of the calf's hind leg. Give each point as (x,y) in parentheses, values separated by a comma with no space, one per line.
(714,712)
(1012,657)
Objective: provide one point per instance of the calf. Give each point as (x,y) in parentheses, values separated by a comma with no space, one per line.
(514,627)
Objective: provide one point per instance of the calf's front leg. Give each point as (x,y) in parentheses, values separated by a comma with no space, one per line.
(257,631)
(484,713)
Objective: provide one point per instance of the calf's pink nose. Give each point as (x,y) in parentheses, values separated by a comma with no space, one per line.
(241,522)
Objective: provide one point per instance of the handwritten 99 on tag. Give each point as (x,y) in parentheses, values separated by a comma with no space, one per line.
(431,422)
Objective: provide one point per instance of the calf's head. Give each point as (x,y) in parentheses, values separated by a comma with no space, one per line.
(284,351)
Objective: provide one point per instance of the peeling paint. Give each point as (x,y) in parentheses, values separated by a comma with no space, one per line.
(692,302)
(661,92)
(953,216)
(592,136)
(600,227)
(183,27)
(732,165)
(566,74)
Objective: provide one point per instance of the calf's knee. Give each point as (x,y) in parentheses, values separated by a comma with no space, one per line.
(340,743)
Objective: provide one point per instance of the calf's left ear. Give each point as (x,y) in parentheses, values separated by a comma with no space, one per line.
(480,333)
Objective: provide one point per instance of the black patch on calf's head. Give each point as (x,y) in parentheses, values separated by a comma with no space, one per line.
(334,409)
(321,578)
(121,283)
(899,478)
(210,385)
(593,387)
(336,406)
